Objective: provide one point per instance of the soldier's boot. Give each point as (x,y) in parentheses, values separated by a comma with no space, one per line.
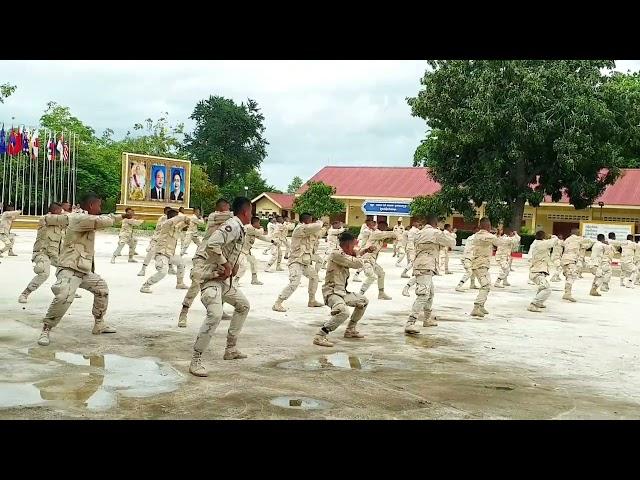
(132,260)
(383,296)
(254,279)
(286,257)
(448,272)
(484,310)
(405,291)
(24,295)
(196,367)
(322,341)
(268,267)
(182,319)
(594,292)
(172,270)
(356,277)
(555,278)
(534,308)
(113,259)
(145,288)
(567,294)
(143,271)
(11,254)
(351,332)
(182,286)
(604,287)
(428,320)
(477,311)
(232,352)
(278,307)
(44,335)
(459,287)
(506,283)
(497,284)
(313,302)
(404,274)
(410,328)
(101,327)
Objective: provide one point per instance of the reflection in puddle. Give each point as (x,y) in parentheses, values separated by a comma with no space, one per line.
(335,360)
(300,403)
(96,385)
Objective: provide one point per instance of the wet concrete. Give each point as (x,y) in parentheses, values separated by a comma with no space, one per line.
(573,361)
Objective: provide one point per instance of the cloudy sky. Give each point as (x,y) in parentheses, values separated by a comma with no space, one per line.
(317,112)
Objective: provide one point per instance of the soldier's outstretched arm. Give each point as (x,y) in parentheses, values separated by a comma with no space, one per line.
(52,220)
(345,260)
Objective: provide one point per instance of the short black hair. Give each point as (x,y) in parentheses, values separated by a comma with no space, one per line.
(53,206)
(540,235)
(127,209)
(88,198)
(63,202)
(172,213)
(239,203)
(254,218)
(196,208)
(305,216)
(432,218)
(601,236)
(221,201)
(446,225)
(629,237)
(345,237)
(612,235)
(166,209)
(181,209)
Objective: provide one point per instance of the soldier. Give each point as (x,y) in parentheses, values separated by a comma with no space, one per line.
(317,260)
(597,261)
(66,208)
(372,270)
(503,253)
(278,231)
(467,256)
(335,291)
(572,246)
(444,259)
(151,249)
(271,226)
(302,239)
(365,230)
(582,263)
(399,231)
(539,269)
(6,237)
(191,234)
(636,261)
(46,248)
(215,220)
(332,238)
(609,251)
(428,243)
(402,246)
(215,262)
(165,251)
(516,248)
(627,266)
(252,231)
(483,243)
(76,268)
(555,259)
(289,226)
(411,250)
(126,236)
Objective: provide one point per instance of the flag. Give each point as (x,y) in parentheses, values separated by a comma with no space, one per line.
(51,149)
(13,143)
(18,147)
(25,141)
(35,145)
(65,151)
(59,146)
(3,141)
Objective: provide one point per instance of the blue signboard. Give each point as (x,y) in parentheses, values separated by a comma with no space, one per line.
(390,207)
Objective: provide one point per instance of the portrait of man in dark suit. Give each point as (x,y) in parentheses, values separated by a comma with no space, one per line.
(157,187)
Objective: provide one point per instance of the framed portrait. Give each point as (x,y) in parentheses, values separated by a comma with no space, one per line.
(137,180)
(177,185)
(158,183)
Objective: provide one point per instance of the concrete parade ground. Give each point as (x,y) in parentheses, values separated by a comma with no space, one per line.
(572,361)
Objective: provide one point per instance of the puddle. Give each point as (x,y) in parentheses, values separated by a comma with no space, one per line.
(96,385)
(339,360)
(300,403)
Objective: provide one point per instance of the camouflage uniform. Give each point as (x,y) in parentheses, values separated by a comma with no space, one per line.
(539,271)
(126,237)
(6,237)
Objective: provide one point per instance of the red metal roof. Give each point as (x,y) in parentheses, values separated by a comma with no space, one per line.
(626,190)
(285,200)
(388,182)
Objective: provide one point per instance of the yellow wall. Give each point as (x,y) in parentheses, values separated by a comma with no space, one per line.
(267,206)
(355,217)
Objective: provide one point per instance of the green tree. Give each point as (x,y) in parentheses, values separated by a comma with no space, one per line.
(622,93)
(204,194)
(295,184)
(6,89)
(253,180)
(318,201)
(228,138)
(497,127)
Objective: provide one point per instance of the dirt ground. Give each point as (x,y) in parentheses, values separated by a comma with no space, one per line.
(573,361)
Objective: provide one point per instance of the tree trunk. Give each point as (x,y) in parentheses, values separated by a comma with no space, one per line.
(516,214)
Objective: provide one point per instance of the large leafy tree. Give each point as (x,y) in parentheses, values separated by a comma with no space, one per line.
(295,184)
(228,138)
(6,89)
(204,194)
(253,181)
(508,132)
(318,201)
(622,93)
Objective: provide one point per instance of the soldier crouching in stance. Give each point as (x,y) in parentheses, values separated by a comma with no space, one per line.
(214,266)
(76,268)
(335,292)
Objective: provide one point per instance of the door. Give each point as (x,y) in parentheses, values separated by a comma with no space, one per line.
(564,228)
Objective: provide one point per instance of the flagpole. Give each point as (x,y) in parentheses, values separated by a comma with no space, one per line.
(44,171)
(75,166)
(35,188)
(61,154)
(4,166)
(49,169)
